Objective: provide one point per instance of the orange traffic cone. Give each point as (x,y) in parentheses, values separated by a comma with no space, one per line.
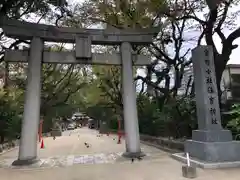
(119,139)
(42,145)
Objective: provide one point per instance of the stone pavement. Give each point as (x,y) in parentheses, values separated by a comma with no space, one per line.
(70,149)
(67,158)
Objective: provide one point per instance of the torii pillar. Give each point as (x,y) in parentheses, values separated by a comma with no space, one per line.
(28,141)
(131,127)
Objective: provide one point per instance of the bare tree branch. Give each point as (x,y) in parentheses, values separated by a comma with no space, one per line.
(222,20)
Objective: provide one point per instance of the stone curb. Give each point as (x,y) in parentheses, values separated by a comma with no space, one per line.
(165,149)
(205,165)
(164,144)
(6,151)
(9,146)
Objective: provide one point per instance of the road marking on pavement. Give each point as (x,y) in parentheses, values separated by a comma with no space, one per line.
(70,160)
(63,161)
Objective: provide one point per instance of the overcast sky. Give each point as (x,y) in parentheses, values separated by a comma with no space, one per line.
(234,59)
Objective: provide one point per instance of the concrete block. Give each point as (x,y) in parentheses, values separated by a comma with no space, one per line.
(205,165)
(212,136)
(56,132)
(189,171)
(214,151)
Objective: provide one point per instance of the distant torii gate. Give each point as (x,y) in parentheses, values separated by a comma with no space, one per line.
(84,38)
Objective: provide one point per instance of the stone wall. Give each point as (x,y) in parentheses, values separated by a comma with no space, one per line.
(165,144)
(8,146)
(14,143)
(46,134)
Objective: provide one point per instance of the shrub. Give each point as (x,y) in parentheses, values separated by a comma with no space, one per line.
(177,118)
(10,119)
(234,123)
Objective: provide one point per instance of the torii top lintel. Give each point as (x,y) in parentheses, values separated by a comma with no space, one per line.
(26,31)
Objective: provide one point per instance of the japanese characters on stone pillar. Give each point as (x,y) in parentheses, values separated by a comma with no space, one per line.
(206,89)
(212,94)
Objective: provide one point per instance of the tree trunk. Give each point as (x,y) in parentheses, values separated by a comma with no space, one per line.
(2,138)
(6,75)
(220,66)
(192,92)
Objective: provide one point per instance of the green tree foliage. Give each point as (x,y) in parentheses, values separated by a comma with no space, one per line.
(176,119)
(23,9)
(10,110)
(167,64)
(59,83)
(234,123)
(103,99)
(109,83)
(141,14)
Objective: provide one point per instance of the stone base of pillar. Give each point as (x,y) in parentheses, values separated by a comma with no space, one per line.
(212,136)
(133,154)
(25,162)
(213,151)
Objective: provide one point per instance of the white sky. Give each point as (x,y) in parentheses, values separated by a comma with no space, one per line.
(234,58)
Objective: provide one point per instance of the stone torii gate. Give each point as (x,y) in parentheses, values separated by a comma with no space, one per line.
(84,38)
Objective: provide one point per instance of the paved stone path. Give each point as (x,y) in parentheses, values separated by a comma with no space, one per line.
(67,158)
(62,161)
(70,156)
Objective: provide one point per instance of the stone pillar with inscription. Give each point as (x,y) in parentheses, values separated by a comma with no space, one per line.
(210,142)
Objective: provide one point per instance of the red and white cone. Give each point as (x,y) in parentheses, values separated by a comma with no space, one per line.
(119,139)
(42,145)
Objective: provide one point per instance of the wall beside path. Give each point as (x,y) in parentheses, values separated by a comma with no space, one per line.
(166,144)
(8,146)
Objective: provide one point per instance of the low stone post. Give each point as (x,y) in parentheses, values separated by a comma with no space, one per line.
(189,171)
